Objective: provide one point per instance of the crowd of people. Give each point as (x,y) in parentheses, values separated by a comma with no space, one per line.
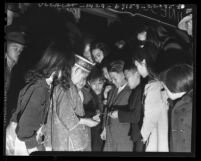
(118,98)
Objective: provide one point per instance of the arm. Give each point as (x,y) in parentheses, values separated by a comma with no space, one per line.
(132,116)
(30,120)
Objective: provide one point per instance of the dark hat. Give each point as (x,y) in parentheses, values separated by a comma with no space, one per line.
(83,63)
(16,34)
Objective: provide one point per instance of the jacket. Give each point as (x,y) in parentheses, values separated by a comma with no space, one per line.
(181,124)
(133,114)
(30,119)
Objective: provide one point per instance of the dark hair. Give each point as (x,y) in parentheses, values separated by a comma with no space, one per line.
(129,65)
(116,66)
(96,73)
(149,52)
(57,56)
(102,46)
(178,78)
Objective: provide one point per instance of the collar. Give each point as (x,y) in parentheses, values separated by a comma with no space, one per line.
(121,88)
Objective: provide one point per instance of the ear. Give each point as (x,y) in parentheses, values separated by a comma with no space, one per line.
(144,61)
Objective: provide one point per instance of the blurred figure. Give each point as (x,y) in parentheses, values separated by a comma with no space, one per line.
(15,43)
(178,83)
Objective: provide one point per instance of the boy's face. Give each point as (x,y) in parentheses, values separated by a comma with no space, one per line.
(78,77)
(97,86)
(133,78)
(116,78)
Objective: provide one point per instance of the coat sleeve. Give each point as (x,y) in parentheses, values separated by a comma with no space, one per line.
(31,118)
(133,115)
(64,109)
(152,109)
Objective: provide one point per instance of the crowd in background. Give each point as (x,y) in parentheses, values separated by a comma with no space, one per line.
(135,95)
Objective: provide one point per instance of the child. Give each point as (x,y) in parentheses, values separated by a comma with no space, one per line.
(67,128)
(93,97)
(34,101)
(178,82)
(133,112)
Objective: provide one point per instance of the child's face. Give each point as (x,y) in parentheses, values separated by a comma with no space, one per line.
(98,55)
(78,77)
(133,78)
(97,85)
(117,78)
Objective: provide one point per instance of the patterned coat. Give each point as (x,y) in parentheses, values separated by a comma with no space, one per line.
(63,131)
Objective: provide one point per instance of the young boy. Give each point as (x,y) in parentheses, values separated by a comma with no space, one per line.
(133,112)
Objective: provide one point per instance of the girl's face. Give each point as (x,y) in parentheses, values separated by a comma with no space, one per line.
(78,77)
(142,68)
(98,55)
(97,85)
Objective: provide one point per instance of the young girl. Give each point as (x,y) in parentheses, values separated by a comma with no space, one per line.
(178,82)
(67,128)
(34,100)
(154,129)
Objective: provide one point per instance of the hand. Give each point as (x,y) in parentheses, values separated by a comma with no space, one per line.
(32,150)
(89,122)
(103,134)
(10,138)
(113,114)
(106,90)
(97,117)
(48,148)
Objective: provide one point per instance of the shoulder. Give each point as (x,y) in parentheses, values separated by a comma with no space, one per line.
(153,86)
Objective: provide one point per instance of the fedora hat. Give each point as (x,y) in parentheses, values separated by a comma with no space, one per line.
(16,34)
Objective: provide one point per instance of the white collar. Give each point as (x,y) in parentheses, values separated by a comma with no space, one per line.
(121,88)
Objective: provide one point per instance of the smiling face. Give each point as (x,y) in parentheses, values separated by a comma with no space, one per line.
(98,55)
(142,68)
(117,78)
(133,78)
(97,86)
(14,50)
(78,77)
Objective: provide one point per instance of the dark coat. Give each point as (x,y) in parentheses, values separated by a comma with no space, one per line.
(30,120)
(93,102)
(181,125)
(133,114)
(117,138)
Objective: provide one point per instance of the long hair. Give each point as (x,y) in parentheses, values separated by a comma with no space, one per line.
(57,56)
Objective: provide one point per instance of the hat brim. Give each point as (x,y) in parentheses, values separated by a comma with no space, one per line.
(182,23)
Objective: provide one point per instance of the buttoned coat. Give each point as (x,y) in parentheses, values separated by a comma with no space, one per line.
(181,124)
